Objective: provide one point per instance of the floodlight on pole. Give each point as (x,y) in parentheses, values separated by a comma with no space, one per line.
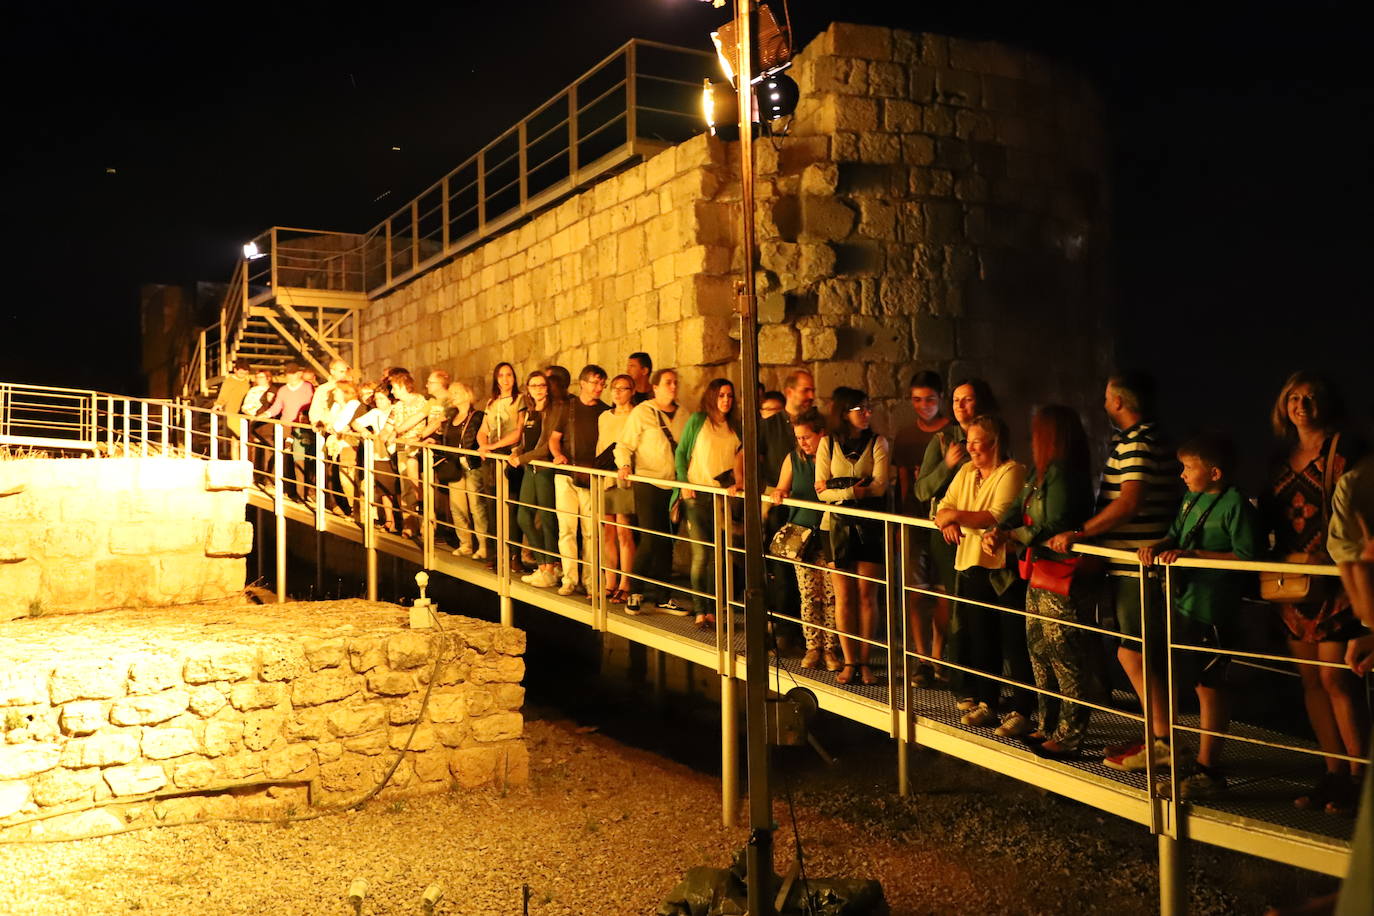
(251,252)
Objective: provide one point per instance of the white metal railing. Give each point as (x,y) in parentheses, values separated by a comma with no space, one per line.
(351,493)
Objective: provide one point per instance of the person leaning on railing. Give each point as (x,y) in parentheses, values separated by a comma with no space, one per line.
(852,469)
(373,424)
(1057,497)
(498,433)
(574,443)
(467,476)
(797,480)
(709,454)
(540,413)
(981,497)
(1312,456)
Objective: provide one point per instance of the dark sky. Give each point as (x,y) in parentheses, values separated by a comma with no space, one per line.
(1241,171)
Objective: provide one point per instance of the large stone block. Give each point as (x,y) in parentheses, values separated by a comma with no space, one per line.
(825,219)
(366,653)
(150,709)
(390,683)
(26,685)
(350,773)
(138,779)
(777,344)
(21,761)
(65,787)
(101,750)
(282,661)
(222,737)
(21,590)
(499,726)
(348,721)
(13,797)
(817,343)
(206,700)
(84,717)
(846,39)
(325,653)
(324,687)
(221,663)
(407,650)
(229,539)
(228,475)
(164,743)
(263,729)
(87,681)
(256,695)
(473,767)
(149,673)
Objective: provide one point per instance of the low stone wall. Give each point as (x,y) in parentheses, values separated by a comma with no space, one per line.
(226,709)
(88,534)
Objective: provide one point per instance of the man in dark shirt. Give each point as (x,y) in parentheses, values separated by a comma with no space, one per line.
(574,442)
(639,367)
(776,437)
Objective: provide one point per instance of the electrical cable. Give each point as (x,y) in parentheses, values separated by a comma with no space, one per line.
(808,905)
(224,787)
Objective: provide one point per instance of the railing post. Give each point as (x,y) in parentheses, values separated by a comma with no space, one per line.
(279,507)
(1147,659)
(369,529)
(631,97)
(503,570)
(166,437)
(212,449)
(388,249)
(444,215)
(415,234)
(243,439)
(521,137)
(481,191)
(143,429)
(273,243)
(572,134)
(902,717)
(188,430)
(321,479)
(720,524)
(729,751)
(128,439)
(428,517)
(111,424)
(596,572)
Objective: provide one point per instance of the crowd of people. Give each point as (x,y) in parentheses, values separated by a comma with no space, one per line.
(1004,531)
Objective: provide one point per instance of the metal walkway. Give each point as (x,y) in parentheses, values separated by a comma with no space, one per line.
(1267,768)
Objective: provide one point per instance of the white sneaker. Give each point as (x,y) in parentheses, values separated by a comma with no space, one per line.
(979,715)
(967,704)
(543,580)
(529,578)
(1014,725)
(567,588)
(479,554)
(463,551)
(1136,762)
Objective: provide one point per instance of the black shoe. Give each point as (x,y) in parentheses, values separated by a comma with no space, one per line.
(1055,753)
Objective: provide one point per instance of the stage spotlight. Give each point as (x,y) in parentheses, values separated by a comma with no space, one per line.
(250,251)
(777,96)
(774,46)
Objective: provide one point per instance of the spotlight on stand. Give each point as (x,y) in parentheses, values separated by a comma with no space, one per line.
(720,108)
(777,96)
(251,252)
(774,46)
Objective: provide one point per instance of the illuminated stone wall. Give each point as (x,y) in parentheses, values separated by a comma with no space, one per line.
(939,204)
(82,535)
(265,709)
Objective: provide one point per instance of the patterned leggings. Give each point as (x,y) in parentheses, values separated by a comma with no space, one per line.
(1059,658)
(817,608)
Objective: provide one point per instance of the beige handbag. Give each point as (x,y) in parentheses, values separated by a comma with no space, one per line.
(1299,588)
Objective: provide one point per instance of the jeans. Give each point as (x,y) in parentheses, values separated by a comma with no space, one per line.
(468,504)
(654,559)
(539,524)
(701,526)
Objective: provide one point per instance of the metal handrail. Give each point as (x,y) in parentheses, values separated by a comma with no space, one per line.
(148,426)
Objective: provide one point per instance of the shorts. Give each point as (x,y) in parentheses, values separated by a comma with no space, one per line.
(941,558)
(619,500)
(1198,669)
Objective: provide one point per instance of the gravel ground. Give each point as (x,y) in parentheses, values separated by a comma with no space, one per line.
(606,828)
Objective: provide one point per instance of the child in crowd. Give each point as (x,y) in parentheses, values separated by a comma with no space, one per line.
(770,402)
(1215,522)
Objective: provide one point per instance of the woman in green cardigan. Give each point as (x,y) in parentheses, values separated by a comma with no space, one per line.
(1057,497)
(709,455)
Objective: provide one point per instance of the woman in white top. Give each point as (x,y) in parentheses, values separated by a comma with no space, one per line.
(852,470)
(647,445)
(373,424)
(982,496)
(341,444)
(708,455)
(618,540)
(494,440)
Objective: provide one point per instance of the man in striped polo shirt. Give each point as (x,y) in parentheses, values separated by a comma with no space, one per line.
(1136,501)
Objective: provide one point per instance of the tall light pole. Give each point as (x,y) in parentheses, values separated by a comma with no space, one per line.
(759,856)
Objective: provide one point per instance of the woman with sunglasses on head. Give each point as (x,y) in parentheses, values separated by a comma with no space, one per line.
(852,470)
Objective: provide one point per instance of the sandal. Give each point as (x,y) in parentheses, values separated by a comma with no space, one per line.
(846,673)
(1322,796)
(620,596)
(705,621)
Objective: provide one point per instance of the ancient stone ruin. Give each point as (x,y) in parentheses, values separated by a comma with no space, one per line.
(156,716)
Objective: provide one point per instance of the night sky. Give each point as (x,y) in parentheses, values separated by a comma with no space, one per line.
(1241,174)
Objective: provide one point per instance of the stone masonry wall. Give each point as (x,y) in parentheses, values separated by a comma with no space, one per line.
(206,706)
(939,204)
(86,534)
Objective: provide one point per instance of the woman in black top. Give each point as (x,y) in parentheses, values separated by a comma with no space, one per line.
(535,515)
(468,489)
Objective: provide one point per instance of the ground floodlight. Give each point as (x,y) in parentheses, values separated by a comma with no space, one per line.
(777,96)
(720,108)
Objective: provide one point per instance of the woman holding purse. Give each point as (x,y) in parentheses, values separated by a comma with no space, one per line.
(468,489)
(800,540)
(852,470)
(1313,455)
(709,454)
(1057,497)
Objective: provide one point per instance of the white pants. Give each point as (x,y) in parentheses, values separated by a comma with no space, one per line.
(574,507)
(468,504)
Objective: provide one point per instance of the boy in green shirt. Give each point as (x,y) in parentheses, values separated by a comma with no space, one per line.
(1215,522)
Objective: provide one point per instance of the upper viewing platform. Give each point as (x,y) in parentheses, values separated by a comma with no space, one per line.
(294,293)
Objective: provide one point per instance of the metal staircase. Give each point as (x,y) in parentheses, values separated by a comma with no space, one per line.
(295,295)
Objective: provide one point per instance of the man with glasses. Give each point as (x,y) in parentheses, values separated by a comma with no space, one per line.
(574,442)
